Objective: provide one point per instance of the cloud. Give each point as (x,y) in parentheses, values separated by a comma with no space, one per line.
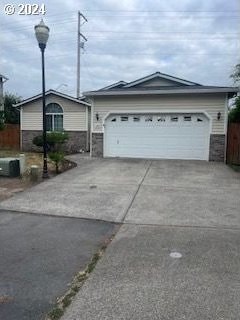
(196,40)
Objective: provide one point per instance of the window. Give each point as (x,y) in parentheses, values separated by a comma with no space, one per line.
(124,118)
(161,119)
(136,119)
(199,119)
(54,117)
(187,118)
(174,119)
(148,119)
(114,119)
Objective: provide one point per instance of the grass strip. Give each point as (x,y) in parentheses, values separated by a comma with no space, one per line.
(78,281)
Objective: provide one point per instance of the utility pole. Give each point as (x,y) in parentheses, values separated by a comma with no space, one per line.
(80,45)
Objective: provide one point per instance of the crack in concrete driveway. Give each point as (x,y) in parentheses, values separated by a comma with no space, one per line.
(163,192)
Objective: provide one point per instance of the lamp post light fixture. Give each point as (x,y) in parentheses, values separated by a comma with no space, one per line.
(42,34)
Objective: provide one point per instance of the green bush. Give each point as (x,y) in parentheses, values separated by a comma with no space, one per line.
(54,140)
(57,158)
(57,137)
(55,145)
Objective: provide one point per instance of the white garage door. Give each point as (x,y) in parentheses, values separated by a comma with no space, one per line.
(163,136)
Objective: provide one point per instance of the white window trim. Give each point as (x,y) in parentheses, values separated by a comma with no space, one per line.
(53,122)
(58,113)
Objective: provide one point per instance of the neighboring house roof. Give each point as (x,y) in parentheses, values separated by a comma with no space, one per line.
(57,93)
(175,86)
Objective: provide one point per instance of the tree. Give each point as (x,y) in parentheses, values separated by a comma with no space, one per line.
(11,114)
(234,113)
(55,142)
(236,74)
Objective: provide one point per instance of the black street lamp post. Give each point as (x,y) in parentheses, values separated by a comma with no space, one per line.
(42,34)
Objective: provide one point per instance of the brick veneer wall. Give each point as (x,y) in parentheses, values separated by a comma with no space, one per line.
(217,147)
(97,144)
(76,142)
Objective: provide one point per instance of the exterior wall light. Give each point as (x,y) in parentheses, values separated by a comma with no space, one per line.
(219,115)
(97,116)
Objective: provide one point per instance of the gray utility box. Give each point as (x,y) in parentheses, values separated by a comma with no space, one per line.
(9,167)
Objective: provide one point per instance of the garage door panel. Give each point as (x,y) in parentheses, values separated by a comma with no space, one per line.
(170,140)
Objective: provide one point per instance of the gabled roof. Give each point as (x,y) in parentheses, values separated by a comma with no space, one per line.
(159,75)
(56,93)
(177,86)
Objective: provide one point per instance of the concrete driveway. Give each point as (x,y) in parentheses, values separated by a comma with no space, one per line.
(183,193)
(176,256)
(187,193)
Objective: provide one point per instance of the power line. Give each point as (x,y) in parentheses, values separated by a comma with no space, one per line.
(56,41)
(164,32)
(165,17)
(165,39)
(72,19)
(157,53)
(132,54)
(30,27)
(172,11)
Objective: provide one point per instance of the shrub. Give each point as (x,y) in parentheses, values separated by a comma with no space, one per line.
(56,137)
(55,142)
(57,158)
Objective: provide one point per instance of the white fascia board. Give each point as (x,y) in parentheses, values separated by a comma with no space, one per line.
(159,92)
(114,85)
(51,92)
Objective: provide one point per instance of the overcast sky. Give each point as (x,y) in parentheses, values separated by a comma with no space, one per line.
(198,40)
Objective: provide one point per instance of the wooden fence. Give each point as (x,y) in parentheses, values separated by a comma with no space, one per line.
(10,137)
(233,143)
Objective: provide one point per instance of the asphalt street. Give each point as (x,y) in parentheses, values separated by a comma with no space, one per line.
(38,258)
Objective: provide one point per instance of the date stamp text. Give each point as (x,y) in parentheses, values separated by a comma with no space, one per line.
(25,9)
